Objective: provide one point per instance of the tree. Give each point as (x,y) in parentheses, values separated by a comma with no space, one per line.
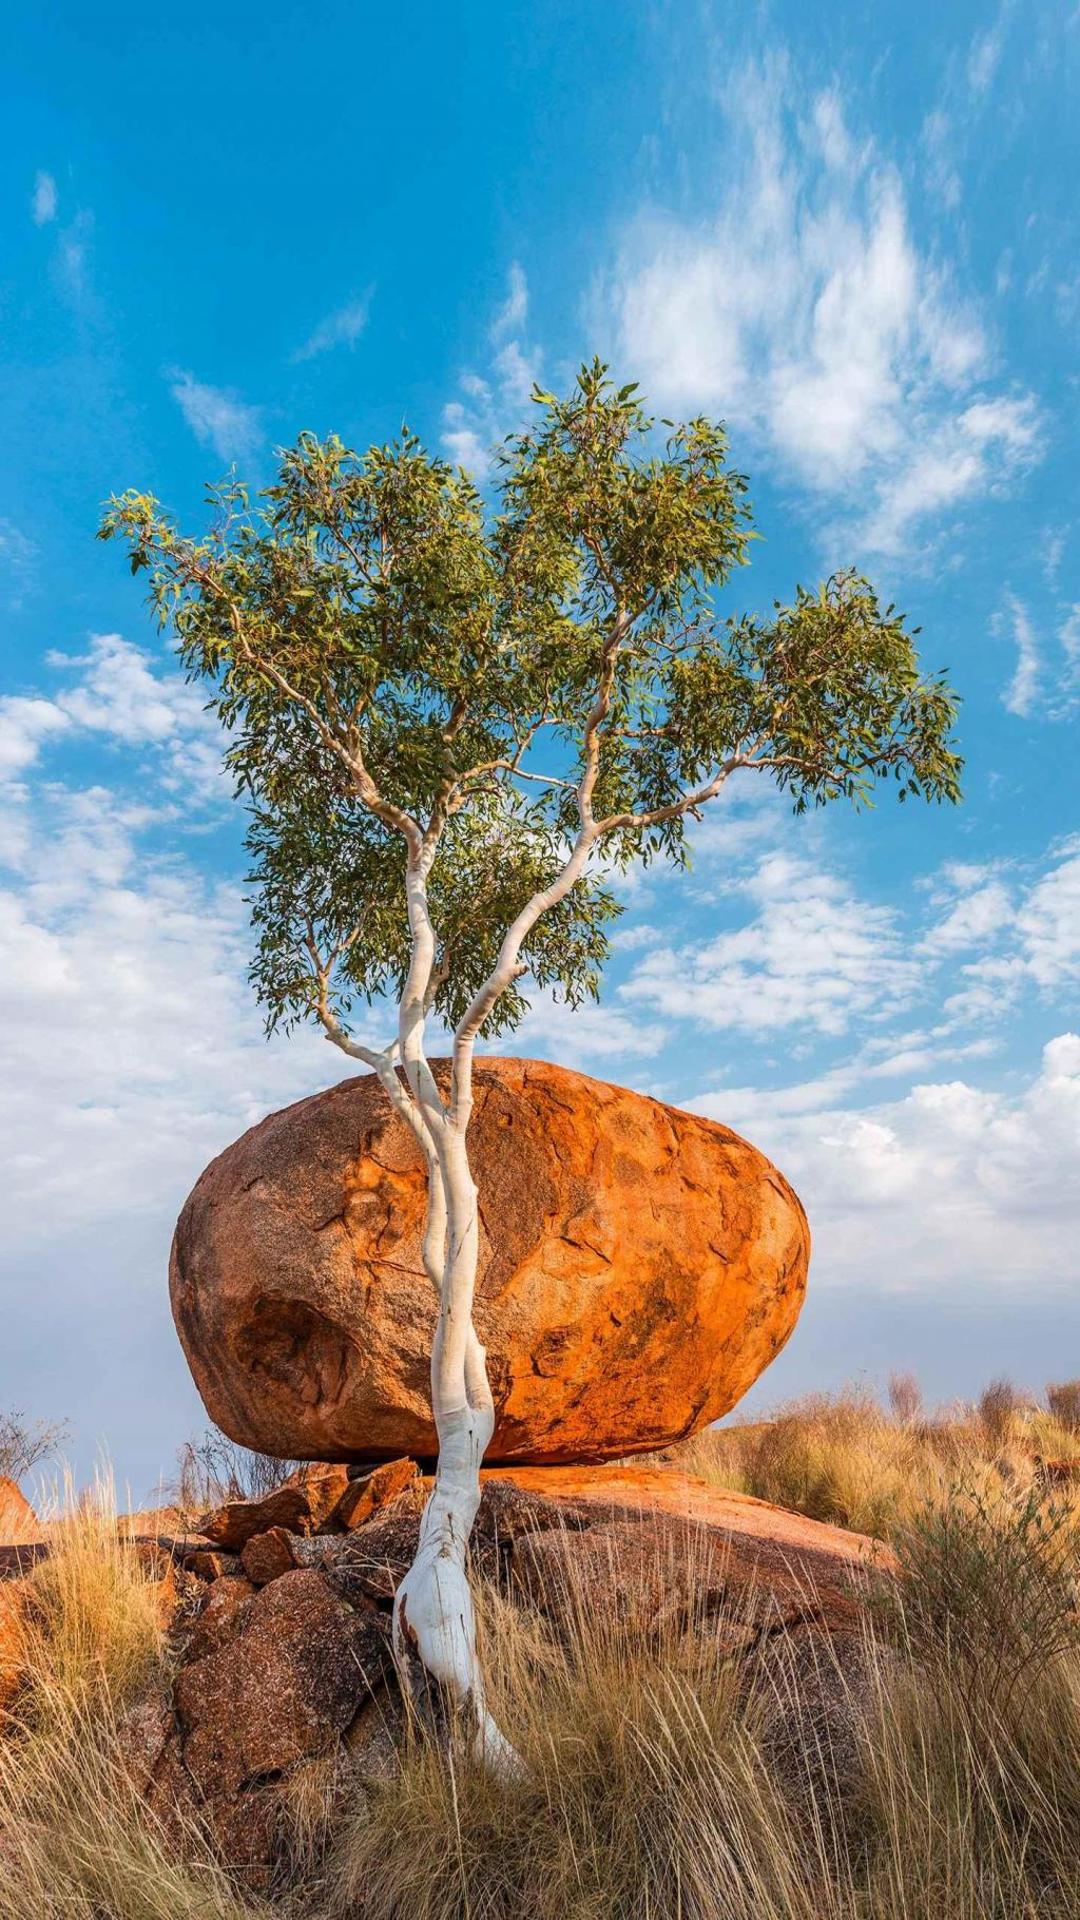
(449,723)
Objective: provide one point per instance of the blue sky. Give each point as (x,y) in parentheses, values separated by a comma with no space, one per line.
(852,233)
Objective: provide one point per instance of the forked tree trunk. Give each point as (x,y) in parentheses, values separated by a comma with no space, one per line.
(434,1618)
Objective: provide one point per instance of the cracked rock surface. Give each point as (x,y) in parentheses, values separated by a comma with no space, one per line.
(639,1267)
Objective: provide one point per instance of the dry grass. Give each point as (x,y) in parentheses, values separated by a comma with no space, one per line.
(931,1767)
(93,1628)
(76,1841)
(660,1787)
(844,1458)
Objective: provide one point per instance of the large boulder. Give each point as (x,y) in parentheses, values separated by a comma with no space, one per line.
(639,1267)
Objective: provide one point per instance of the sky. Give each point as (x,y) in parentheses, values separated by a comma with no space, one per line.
(851,233)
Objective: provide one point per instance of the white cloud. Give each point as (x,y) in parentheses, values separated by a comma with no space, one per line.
(73,262)
(43,203)
(490,405)
(1048,925)
(814,957)
(984,58)
(131,1048)
(1039,953)
(342,328)
(953,1184)
(512,314)
(117,693)
(977,452)
(804,312)
(25,722)
(940,165)
(979,915)
(130,1045)
(1022,691)
(1067,681)
(601,1032)
(17,558)
(218,418)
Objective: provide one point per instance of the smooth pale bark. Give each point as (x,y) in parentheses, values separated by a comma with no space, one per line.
(434,1617)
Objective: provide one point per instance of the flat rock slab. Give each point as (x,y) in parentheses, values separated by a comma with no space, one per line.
(684,1496)
(656,1540)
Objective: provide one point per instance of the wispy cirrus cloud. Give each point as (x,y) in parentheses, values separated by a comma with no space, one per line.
(44,200)
(489,405)
(342,328)
(802,308)
(217,416)
(18,555)
(1021,694)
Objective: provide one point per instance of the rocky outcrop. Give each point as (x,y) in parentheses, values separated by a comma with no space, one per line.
(639,1267)
(303,1503)
(270,1684)
(285,1681)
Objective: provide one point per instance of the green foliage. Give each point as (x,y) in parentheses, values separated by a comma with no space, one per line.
(408,676)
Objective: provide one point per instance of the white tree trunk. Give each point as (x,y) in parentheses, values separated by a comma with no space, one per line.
(434,1620)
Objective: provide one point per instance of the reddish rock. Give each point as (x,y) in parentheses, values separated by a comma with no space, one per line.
(1057,1473)
(287,1691)
(362,1498)
(209,1565)
(18,1521)
(652,1547)
(268,1555)
(220,1617)
(639,1266)
(269,1684)
(367,1563)
(290,1674)
(303,1503)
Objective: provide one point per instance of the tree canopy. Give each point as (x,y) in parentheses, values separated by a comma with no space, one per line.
(416,679)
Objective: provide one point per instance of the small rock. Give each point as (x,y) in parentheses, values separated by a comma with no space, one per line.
(268,1555)
(220,1618)
(815,1692)
(209,1565)
(377,1735)
(303,1503)
(363,1498)
(370,1561)
(1057,1473)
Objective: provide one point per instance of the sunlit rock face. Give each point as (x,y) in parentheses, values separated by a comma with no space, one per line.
(639,1267)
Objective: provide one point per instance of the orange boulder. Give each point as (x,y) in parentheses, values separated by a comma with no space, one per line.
(639,1267)
(18,1521)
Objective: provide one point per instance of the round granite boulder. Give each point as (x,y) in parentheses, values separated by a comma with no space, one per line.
(639,1267)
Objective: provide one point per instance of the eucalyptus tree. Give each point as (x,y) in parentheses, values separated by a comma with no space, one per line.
(453,721)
